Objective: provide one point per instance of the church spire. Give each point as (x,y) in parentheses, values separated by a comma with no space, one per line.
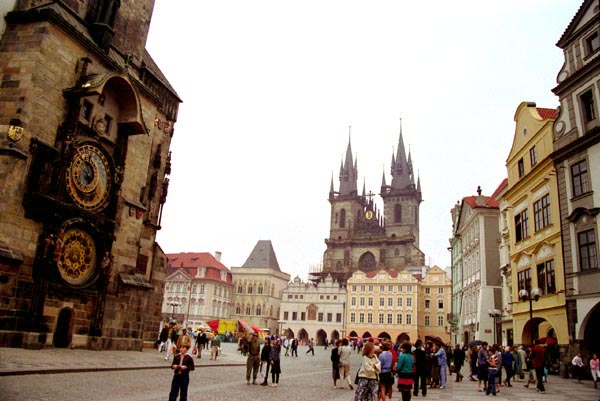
(348,172)
(400,168)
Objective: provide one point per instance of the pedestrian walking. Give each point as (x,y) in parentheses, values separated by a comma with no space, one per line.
(295,347)
(311,347)
(538,358)
(286,345)
(578,367)
(473,362)
(163,337)
(492,367)
(508,363)
(182,365)
(386,377)
(368,385)
(421,373)
(345,353)
(459,360)
(215,344)
(275,363)
(595,369)
(335,362)
(442,362)
(482,366)
(404,370)
(265,360)
(253,359)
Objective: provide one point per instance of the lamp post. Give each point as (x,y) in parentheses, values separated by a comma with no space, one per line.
(524,295)
(495,314)
(173,304)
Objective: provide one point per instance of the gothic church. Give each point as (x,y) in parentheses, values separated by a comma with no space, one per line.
(361,237)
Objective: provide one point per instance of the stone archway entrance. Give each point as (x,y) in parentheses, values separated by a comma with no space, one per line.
(303,336)
(402,338)
(592,331)
(321,337)
(62,331)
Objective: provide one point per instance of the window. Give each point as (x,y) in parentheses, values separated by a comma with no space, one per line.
(546,280)
(579,176)
(399,287)
(369,318)
(541,212)
(390,318)
(248,309)
(285,315)
(343,218)
(440,290)
(330,317)
(320,317)
(397,213)
(408,318)
(440,304)
(427,302)
(399,301)
(107,123)
(521,231)
(362,288)
(409,288)
(588,256)
(370,301)
(381,318)
(382,288)
(587,104)
(426,320)
(320,296)
(408,302)
(390,288)
(390,301)
(521,167)
(353,301)
(258,310)
(381,301)
(361,318)
(399,318)
(440,320)
(303,316)
(524,280)
(238,311)
(240,290)
(353,317)
(338,317)
(362,301)
(353,288)
(592,43)
(533,156)
(260,289)
(86,110)
(250,289)
(370,288)
(294,315)
(427,290)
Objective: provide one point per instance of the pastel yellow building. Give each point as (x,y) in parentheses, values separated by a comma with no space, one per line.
(538,293)
(400,305)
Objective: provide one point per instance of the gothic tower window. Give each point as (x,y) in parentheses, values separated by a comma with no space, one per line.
(258,310)
(367,263)
(397,213)
(260,289)
(343,218)
(338,266)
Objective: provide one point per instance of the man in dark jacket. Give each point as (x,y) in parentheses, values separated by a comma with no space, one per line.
(182,365)
(459,360)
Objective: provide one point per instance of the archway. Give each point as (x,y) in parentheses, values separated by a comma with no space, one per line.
(321,337)
(353,334)
(366,335)
(335,335)
(62,331)
(303,336)
(289,333)
(384,335)
(591,331)
(531,330)
(402,337)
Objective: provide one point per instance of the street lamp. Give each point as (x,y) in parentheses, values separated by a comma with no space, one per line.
(173,304)
(495,314)
(524,295)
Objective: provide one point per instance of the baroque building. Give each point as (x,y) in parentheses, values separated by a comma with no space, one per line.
(475,254)
(198,288)
(86,121)
(313,310)
(576,156)
(364,238)
(536,262)
(258,287)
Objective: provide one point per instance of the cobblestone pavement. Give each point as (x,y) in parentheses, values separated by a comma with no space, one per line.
(147,377)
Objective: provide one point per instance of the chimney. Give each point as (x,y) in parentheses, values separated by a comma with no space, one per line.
(218,256)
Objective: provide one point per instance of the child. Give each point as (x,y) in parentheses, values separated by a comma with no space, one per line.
(182,365)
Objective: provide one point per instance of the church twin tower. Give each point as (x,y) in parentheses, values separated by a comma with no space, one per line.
(360,236)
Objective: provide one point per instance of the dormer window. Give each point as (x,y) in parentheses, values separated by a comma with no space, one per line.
(592,43)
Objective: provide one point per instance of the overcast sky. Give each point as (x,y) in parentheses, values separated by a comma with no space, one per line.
(269,89)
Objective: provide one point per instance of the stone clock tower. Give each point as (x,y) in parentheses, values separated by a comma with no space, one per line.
(86,121)
(361,237)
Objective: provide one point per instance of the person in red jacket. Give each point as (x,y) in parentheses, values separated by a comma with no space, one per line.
(538,359)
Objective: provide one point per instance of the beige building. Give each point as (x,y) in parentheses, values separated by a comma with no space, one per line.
(258,288)
(400,305)
(315,311)
(533,217)
(198,288)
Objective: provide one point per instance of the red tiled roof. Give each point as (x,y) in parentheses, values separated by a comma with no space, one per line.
(481,201)
(551,114)
(502,185)
(194,259)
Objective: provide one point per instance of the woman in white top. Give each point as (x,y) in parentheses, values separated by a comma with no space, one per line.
(368,384)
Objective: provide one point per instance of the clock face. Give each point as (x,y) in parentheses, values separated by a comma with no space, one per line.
(87,176)
(77,258)
(369,214)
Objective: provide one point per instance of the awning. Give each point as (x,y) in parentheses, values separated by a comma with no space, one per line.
(243,326)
